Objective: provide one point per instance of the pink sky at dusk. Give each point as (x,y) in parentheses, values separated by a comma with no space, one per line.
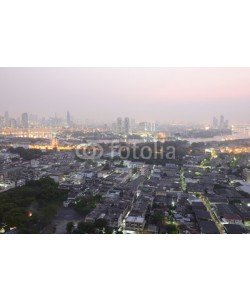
(207,83)
(102,94)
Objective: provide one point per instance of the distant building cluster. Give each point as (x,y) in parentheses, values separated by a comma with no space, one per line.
(127,126)
(220,123)
(26,121)
(122,126)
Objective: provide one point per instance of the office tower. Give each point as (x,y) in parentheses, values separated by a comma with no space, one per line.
(144,126)
(113,127)
(25,121)
(153,127)
(119,125)
(226,124)
(33,119)
(132,125)
(13,123)
(68,119)
(148,126)
(221,122)
(1,121)
(215,123)
(6,119)
(157,126)
(126,126)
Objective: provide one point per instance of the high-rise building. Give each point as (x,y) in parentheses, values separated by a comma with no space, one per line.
(25,121)
(132,125)
(153,127)
(119,125)
(144,126)
(13,123)
(33,119)
(113,127)
(126,126)
(215,123)
(226,124)
(6,119)
(221,122)
(1,121)
(147,126)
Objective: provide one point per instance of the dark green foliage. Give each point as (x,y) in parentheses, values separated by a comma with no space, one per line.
(70,227)
(85,228)
(172,229)
(31,207)
(26,154)
(99,227)
(158,218)
(86,204)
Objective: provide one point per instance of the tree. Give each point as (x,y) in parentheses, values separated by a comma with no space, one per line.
(102,226)
(172,229)
(158,218)
(70,227)
(42,195)
(85,204)
(101,223)
(85,228)
(26,154)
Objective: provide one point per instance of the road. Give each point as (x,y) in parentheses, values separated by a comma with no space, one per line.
(213,215)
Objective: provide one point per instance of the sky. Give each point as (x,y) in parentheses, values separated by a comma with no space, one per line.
(152,94)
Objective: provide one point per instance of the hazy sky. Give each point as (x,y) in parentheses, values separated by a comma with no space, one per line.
(103,94)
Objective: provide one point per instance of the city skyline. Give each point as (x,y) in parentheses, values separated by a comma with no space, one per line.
(121,125)
(103,94)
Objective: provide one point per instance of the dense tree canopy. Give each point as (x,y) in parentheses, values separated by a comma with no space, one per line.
(26,154)
(31,207)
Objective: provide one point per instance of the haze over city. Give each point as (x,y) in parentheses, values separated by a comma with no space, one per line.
(102,94)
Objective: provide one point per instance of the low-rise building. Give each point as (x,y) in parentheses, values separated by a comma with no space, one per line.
(135,223)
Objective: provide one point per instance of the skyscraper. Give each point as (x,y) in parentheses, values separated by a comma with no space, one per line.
(25,121)
(226,124)
(119,125)
(1,121)
(221,122)
(153,127)
(126,126)
(132,124)
(13,123)
(215,123)
(6,119)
